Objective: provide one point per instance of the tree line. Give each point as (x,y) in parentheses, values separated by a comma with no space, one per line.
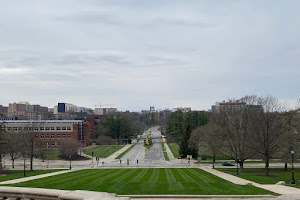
(119,128)
(251,127)
(24,144)
(180,126)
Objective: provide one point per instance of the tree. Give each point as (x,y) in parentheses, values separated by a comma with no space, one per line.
(14,146)
(266,127)
(69,148)
(3,144)
(234,121)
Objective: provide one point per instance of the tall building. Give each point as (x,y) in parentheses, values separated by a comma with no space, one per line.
(26,111)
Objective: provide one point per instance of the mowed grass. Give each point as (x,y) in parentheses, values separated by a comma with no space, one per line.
(275,175)
(175,149)
(14,174)
(145,181)
(103,151)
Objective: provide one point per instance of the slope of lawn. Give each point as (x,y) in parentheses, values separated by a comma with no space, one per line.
(103,151)
(14,174)
(275,175)
(175,149)
(144,181)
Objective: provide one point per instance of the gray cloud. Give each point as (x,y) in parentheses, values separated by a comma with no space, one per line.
(136,53)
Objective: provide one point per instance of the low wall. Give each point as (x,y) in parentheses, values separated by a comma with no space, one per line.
(19,193)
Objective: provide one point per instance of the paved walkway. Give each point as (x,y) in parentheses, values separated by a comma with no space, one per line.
(19,180)
(279,189)
(117,153)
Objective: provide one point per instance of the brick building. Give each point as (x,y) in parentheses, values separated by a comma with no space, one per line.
(3,110)
(94,120)
(53,132)
(26,111)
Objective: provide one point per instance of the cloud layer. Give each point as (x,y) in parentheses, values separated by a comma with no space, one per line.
(140,53)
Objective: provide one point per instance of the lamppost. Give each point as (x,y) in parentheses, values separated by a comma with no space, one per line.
(293,182)
(70,162)
(24,166)
(237,166)
(92,157)
(214,159)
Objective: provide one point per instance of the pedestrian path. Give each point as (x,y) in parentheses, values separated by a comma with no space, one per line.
(279,189)
(19,180)
(117,153)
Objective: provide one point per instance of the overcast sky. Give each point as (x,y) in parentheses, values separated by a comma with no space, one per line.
(137,53)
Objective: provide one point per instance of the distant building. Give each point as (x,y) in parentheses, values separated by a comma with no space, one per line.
(105,111)
(70,111)
(185,109)
(26,111)
(3,110)
(53,132)
(233,104)
(93,121)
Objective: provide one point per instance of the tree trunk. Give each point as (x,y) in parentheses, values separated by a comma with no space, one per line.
(241,166)
(0,164)
(285,166)
(267,167)
(13,163)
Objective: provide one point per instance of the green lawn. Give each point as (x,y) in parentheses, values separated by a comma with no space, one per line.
(103,151)
(144,181)
(14,174)
(175,149)
(257,175)
(122,154)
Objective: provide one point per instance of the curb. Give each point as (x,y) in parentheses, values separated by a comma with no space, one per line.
(198,196)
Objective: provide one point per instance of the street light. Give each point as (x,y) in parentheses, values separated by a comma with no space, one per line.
(237,166)
(24,167)
(214,159)
(70,162)
(92,157)
(293,182)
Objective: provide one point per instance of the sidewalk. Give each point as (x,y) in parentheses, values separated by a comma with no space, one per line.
(117,153)
(279,189)
(19,180)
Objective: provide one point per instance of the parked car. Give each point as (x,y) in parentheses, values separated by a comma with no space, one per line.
(227,164)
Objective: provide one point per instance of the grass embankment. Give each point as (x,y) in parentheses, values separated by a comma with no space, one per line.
(14,174)
(150,144)
(165,152)
(275,175)
(175,149)
(103,151)
(122,154)
(145,181)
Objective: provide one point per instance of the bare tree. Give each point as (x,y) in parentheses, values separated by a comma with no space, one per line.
(234,122)
(14,146)
(266,127)
(69,148)
(3,144)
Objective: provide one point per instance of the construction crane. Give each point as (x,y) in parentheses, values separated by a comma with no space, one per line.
(100,105)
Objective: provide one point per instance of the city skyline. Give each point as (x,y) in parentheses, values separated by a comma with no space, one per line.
(135,54)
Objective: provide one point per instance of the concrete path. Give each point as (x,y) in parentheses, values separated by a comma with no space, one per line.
(169,152)
(19,180)
(279,189)
(117,153)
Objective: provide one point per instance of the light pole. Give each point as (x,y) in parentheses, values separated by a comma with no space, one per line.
(214,159)
(92,157)
(293,182)
(24,167)
(70,162)
(237,166)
